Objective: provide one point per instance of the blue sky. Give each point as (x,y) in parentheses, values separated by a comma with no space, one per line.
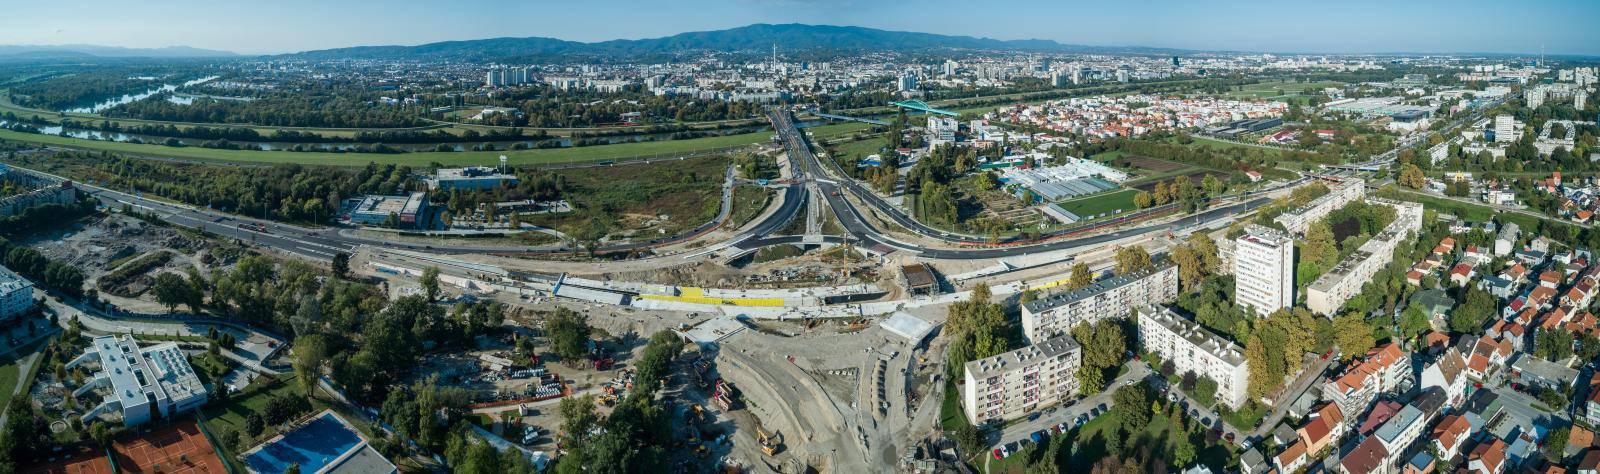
(1356,26)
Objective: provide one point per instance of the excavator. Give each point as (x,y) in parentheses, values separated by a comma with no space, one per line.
(770,444)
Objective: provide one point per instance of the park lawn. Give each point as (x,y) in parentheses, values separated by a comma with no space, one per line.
(11,372)
(837,129)
(1109,156)
(419,159)
(950,414)
(859,148)
(1106,202)
(230,414)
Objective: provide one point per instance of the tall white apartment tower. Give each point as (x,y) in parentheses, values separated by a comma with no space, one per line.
(1505,129)
(1263,268)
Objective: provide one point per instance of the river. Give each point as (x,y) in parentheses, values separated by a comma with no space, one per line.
(126,98)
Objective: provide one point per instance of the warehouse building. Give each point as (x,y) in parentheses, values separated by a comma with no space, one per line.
(410,211)
(470,178)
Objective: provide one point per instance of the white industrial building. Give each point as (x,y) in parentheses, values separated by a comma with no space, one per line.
(1013,384)
(144,382)
(1191,347)
(1263,268)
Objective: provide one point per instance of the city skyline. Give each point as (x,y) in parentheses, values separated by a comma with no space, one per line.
(1243,25)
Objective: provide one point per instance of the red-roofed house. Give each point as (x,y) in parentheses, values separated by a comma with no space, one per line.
(1368,457)
(1488,457)
(1324,428)
(1449,434)
(1380,414)
(1292,457)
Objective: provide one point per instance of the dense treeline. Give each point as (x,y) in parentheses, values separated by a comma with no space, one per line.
(287,192)
(44,272)
(543,105)
(338,110)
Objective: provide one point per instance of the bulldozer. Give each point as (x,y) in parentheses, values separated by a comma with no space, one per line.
(770,444)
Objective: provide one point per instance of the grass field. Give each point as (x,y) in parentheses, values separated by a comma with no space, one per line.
(518,157)
(11,370)
(860,148)
(1106,202)
(230,415)
(1269,90)
(748,201)
(837,129)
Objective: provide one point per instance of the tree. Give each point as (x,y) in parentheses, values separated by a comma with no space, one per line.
(1475,310)
(1132,402)
(1353,335)
(569,334)
(1320,248)
(1588,348)
(341,264)
(1081,277)
(1414,322)
(1411,176)
(309,354)
(1132,259)
(1555,444)
(171,290)
(1142,200)
(430,283)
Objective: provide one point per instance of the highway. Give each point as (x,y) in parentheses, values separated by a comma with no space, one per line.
(864,235)
(324,243)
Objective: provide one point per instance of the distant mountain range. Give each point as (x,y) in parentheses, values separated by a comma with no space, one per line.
(94,51)
(756,38)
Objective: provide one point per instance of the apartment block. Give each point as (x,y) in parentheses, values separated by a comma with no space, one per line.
(1383,369)
(16,295)
(1109,298)
(1333,288)
(1019,382)
(1191,347)
(1339,194)
(1263,267)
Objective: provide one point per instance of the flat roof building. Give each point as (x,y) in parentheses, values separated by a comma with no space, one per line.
(1192,347)
(145,382)
(470,178)
(1109,298)
(1339,194)
(1339,284)
(1263,269)
(406,211)
(1011,385)
(16,295)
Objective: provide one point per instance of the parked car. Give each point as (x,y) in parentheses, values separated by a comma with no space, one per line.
(997,455)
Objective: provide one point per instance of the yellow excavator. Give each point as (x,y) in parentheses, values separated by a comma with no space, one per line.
(770,444)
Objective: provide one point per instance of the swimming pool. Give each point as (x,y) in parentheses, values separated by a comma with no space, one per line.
(314,445)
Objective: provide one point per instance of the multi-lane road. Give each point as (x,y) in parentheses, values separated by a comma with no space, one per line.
(324,243)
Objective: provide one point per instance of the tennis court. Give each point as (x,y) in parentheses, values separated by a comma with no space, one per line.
(177,449)
(322,441)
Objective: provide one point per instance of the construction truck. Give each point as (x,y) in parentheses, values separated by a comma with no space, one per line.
(770,444)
